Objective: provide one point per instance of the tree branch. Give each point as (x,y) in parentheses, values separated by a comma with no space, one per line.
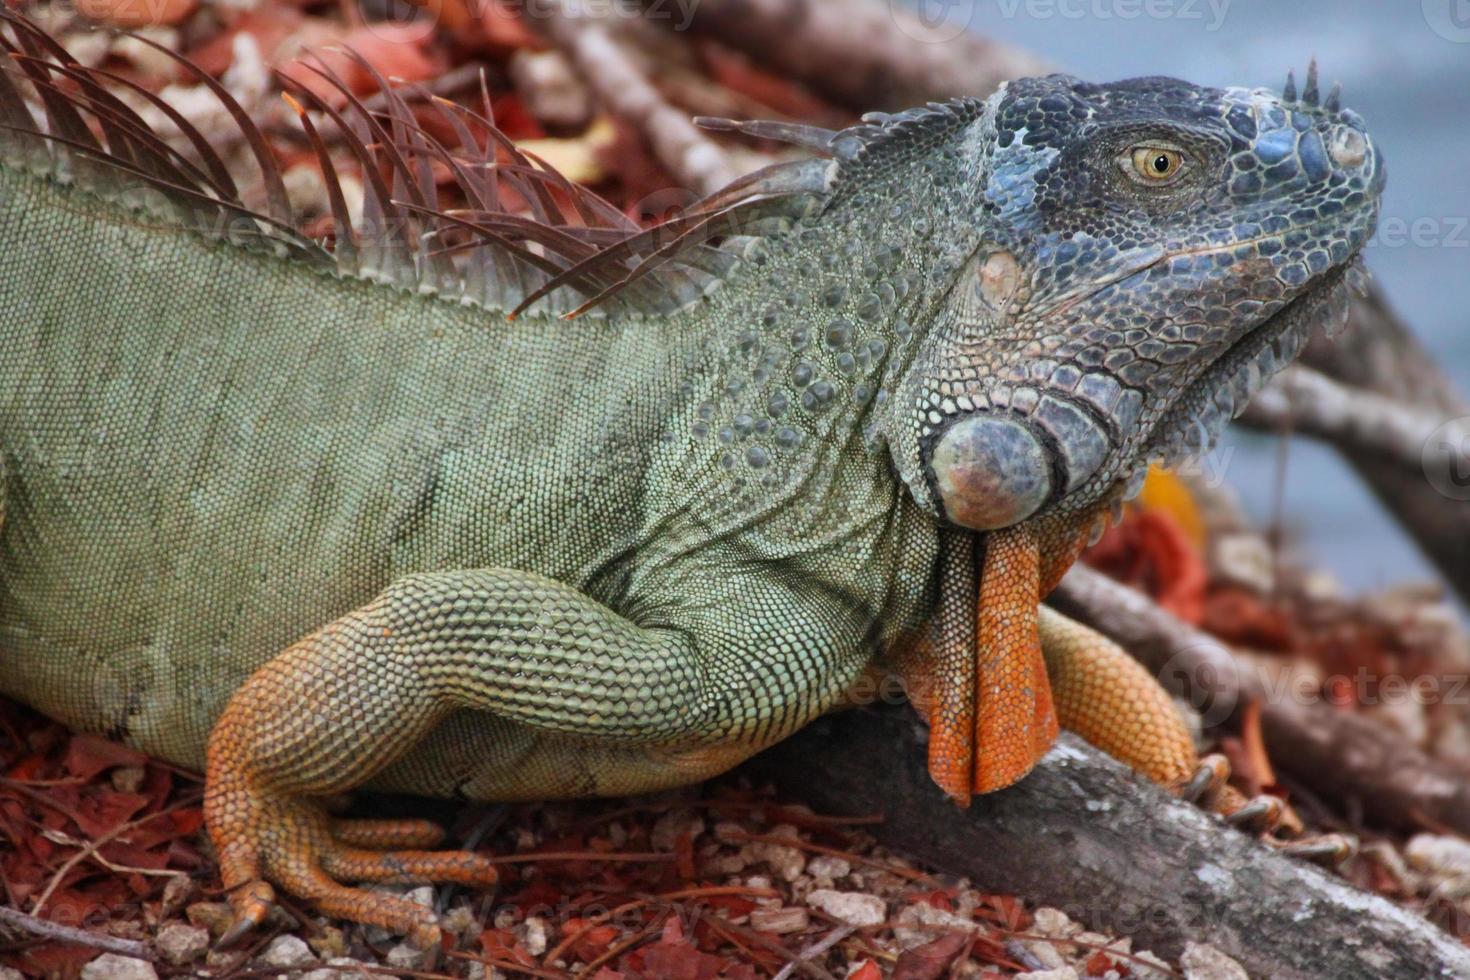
(865,54)
(1115,853)
(68,934)
(691,157)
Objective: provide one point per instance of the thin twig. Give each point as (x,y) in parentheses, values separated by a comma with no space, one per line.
(534,857)
(618,949)
(912,874)
(90,850)
(816,949)
(79,937)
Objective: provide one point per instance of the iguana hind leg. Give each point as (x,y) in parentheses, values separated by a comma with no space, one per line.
(347,702)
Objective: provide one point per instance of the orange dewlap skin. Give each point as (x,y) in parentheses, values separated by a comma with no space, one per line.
(1016,721)
(980,674)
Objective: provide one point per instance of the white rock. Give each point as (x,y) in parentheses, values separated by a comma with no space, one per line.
(853,908)
(1054,923)
(1438,854)
(422,895)
(1060,973)
(726,864)
(826,869)
(406,957)
(460,920)
(730,832)
(1202,961)
(337,968)
(532,935)
(288,952)
(1047,954)
(920,922)
(9,973)
(111,966)
(1243,559)
(672,825)
(1147,966)
(787,862)
(181,944)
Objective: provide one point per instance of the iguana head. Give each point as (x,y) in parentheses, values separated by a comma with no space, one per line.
(1146,253)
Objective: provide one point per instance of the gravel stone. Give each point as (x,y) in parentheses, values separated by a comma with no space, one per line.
(1439,855)
(1054,923)
(181,944)
(853,908)
(338,968)
(532,934)
(214,916)
(827,869)
(1202,961)
(111,966)
(406,957)
(288,952)
(920,923)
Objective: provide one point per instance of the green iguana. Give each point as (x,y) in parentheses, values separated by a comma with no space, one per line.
(388,515)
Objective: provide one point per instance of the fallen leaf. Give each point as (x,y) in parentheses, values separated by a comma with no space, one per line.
(929,961)
(87,755)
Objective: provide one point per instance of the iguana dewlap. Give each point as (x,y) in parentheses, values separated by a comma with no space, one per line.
(322,520)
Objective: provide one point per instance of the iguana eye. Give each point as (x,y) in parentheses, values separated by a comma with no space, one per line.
(1151,163)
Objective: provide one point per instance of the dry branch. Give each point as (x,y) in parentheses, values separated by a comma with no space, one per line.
(1378,353)
(46,929)
(1357,421)
(691,157)
(1084,834)
(867,54)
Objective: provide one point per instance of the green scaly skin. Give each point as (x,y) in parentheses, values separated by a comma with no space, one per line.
(540,557)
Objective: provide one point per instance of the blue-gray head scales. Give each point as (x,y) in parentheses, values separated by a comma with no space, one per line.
(1146,254)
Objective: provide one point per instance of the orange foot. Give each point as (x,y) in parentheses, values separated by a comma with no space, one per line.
(294,842)
(1269,817)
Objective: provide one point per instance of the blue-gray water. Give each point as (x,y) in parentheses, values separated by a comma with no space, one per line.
(1405,66)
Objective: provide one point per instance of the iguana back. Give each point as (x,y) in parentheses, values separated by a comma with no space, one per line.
(234,449)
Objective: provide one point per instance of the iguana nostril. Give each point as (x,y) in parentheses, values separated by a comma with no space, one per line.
(991,472)
(1349,148)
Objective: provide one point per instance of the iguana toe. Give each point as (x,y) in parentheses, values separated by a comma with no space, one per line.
(305,852)
(293,844)
(1269,817)
(1261,814)
(1325,849)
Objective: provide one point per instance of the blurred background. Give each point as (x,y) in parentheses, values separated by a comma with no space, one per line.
(1405,67)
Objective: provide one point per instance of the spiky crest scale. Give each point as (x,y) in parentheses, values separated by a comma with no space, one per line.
(572,253)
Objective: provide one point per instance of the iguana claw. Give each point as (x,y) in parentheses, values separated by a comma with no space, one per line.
(295,843)
(1268,817)
(1327,849)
